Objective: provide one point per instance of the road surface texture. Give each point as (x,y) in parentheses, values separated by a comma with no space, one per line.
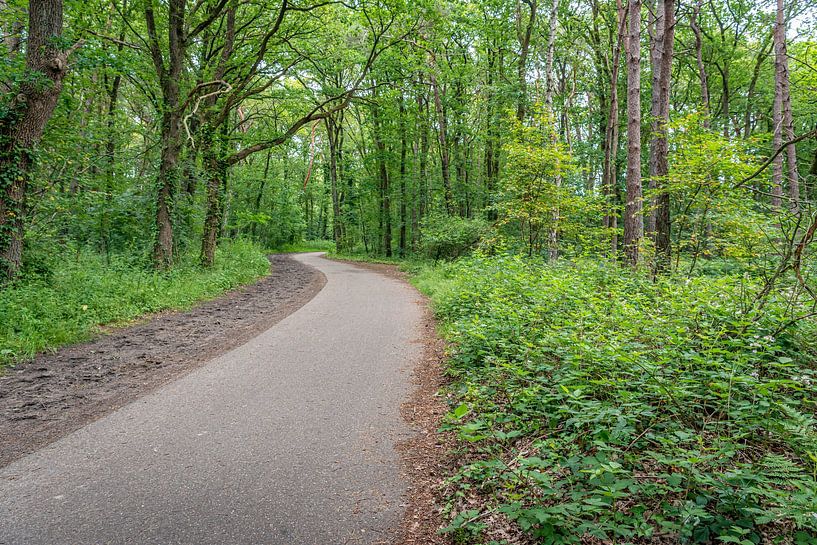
(287,439)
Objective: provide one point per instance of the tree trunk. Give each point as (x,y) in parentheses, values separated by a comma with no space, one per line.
(403,197)
(22,123)
(524,33)
(659,147)
(445,160)
(169,76)
(699,56)
(213,155)
(333,130)
(611,135)
(777,112)
(553,232)
(633,221)
(110,162)
(260,195)
(782,87)
(422,182)
(750,93)
(385,190)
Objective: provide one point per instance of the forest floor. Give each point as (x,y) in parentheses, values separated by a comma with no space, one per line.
(56,393)
(297,434)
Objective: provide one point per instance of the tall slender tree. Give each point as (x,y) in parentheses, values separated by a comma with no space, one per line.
(633,219)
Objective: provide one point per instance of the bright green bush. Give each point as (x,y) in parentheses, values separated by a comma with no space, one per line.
(67,304)
(592,403)
(448,237)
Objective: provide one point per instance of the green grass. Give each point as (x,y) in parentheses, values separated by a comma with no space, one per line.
(593,405)
(67,305)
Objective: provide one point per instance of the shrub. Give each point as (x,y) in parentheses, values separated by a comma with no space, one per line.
(447,237)
(593,404)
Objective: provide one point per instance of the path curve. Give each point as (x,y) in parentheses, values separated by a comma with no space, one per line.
(287,439)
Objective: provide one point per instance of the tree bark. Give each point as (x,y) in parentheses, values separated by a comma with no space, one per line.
(524,33)
(633,221)
(445,159)
(403,193)
(169,75)
(750,93)
(22,124)
(553,232)
(659,147)
(385,190)
(334,131)
(784,124)
(213,155)
(611,134)
(699,57)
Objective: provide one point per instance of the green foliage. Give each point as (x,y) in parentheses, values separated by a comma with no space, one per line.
(82,292)
(447,237)
(533,198)
(305,246)
(710,217)
(591,403)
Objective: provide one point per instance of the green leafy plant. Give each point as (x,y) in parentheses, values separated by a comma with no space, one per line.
(594,404)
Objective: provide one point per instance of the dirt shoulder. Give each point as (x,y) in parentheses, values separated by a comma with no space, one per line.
(54,394)
(426,456)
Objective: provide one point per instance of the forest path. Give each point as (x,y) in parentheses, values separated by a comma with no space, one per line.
(287,439)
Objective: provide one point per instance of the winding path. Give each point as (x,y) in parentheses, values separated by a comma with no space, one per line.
(288,439)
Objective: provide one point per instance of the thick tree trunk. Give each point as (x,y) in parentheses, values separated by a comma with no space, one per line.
(169,75)
(633,220)
(22,124)
(213,151)
(216,182)
(659,147)
(166,182)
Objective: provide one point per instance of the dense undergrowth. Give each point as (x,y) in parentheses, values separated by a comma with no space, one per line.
(593,405)
(304,246)
(66,301)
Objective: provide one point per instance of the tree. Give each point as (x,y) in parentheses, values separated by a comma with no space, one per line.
(661,57)
(23,117)
(633,220)
(782,117)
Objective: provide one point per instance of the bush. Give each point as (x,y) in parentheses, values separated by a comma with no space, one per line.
(594,405)
(448,237)
(66,305)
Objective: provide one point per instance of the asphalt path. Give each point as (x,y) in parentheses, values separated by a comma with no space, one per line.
(287,439)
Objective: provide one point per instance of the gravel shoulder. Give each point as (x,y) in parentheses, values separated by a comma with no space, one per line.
(54,394)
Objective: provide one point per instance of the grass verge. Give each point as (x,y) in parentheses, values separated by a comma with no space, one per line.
(67,305)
